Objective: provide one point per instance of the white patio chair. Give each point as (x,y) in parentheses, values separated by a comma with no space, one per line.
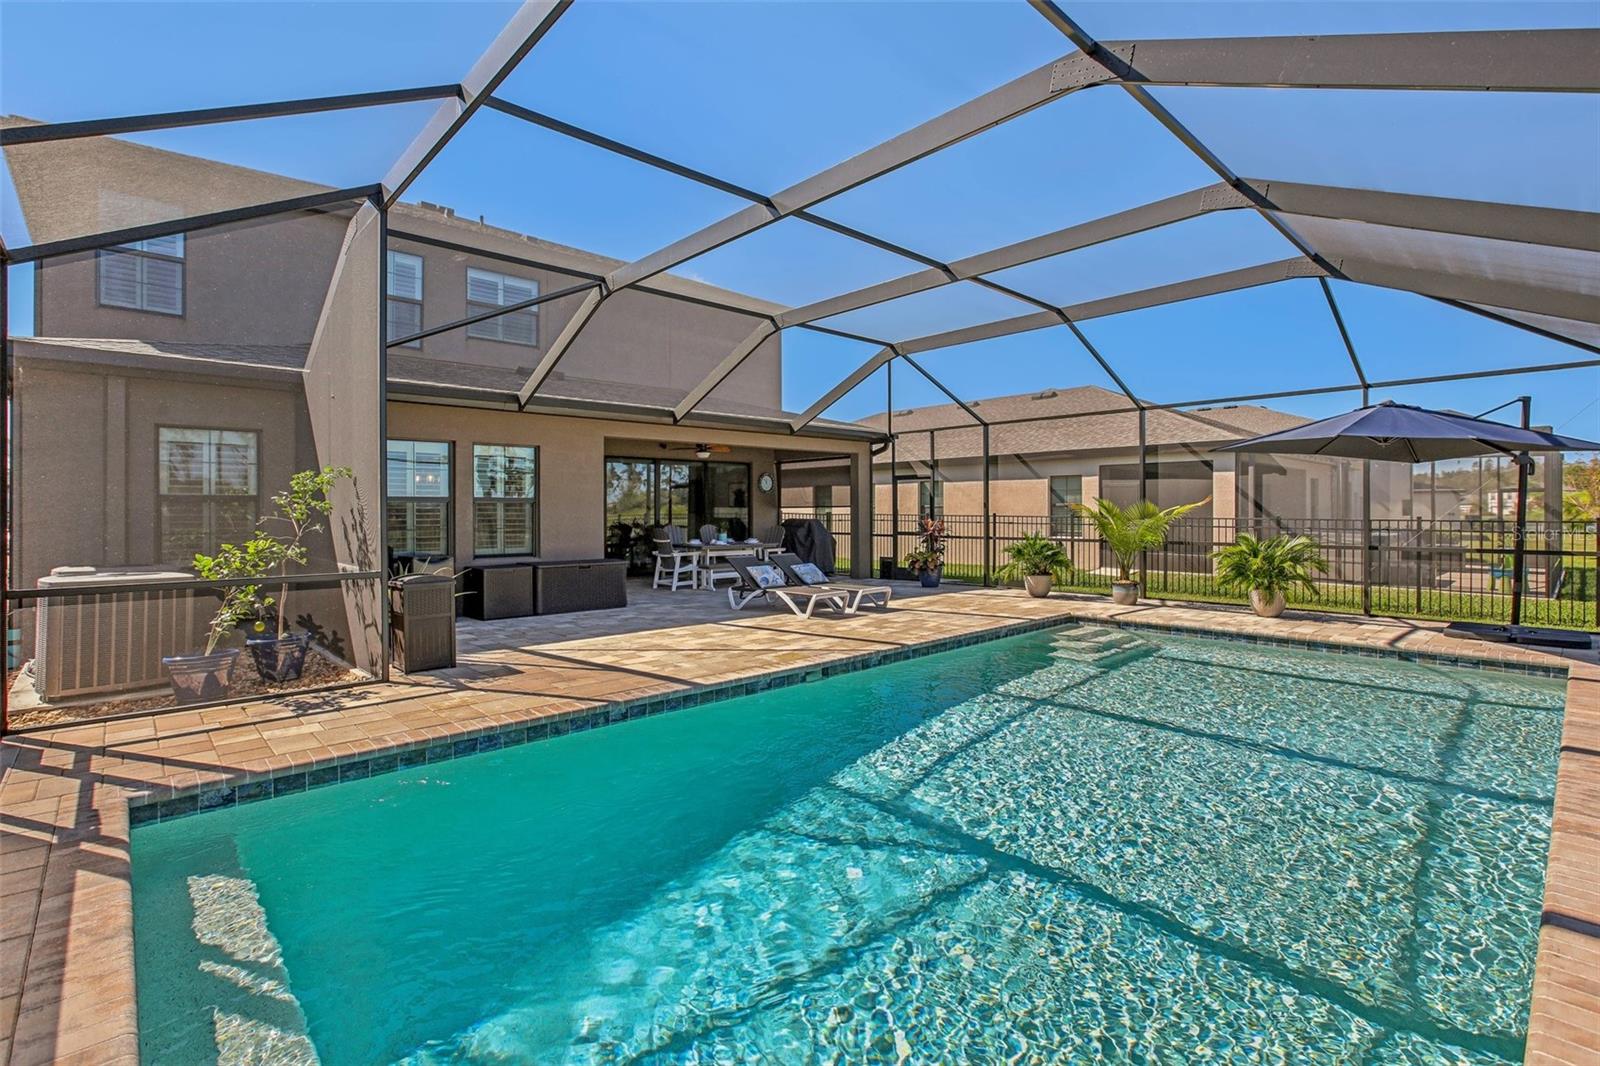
(677,566)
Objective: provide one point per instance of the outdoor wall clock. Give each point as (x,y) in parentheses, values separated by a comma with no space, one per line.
(764,482)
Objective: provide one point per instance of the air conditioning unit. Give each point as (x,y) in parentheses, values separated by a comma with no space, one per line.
(112,641)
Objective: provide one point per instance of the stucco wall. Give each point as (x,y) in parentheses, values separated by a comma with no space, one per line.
(572,453)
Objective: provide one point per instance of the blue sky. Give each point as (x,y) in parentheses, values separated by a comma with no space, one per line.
(766,93)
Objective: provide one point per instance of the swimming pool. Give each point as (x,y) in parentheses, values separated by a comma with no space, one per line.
(1076,843)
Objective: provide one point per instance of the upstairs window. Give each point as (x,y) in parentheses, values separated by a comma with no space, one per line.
(206,490)
(404,303)
(143,276)
(505,511)
(486,291)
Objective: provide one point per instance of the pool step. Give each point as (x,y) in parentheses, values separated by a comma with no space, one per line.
(1099,646)
(255,1017)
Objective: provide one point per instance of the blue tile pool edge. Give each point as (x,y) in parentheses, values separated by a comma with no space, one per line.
(493,738)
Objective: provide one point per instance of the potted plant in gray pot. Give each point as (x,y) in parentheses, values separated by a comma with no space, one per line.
(208,674)
(1038,563)
(1267,569)
(1127,531)
(300,509)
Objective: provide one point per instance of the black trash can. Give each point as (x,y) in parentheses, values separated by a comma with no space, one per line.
(422,622)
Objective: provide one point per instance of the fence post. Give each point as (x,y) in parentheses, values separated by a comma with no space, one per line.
(988,518)
(1417,551)
(1366,536)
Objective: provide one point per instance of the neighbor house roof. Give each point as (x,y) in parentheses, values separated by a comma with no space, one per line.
(1085,432)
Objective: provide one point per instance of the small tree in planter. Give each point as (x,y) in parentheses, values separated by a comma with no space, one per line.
(208,675)
(282,655)
(927,560)
(1127,531)
(300,510)
(1267,569)
(1037,563)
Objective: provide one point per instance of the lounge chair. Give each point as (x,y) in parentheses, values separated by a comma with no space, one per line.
(810,575)
(763,580)
(675,565)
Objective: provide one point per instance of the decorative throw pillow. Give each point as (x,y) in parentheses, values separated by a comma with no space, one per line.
(811,574)
(768,577)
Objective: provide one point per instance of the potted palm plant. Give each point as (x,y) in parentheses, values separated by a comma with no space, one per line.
(1127,531)
(927,560)
(1038,563)
(1269,568)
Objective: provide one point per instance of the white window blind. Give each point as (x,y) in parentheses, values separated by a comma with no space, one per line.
(405,276)
(144,275)
(404,289)
(505,507)
(486,291)
(207,489)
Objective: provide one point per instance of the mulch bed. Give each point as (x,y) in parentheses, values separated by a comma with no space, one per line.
(319,673)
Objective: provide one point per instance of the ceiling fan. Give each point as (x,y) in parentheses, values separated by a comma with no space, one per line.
(701,451)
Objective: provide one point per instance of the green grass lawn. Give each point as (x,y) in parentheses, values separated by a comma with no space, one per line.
(1574,609)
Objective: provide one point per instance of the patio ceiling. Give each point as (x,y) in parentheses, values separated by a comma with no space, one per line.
(1531,266)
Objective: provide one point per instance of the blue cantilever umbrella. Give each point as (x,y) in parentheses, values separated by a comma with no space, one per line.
(1394,432)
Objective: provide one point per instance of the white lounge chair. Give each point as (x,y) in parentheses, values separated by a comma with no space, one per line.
(810,575)
(759,580)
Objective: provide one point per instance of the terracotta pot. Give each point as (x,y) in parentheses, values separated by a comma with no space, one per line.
(1038,585)
(1125,592)
(1265,606)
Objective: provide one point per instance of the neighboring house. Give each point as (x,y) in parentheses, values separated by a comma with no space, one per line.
(173,385)
(1049,450)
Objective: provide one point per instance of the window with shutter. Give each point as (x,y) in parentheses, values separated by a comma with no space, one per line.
(206,488)
(486,291)
(417,516)
(144,275)
(505,507)
(404,291)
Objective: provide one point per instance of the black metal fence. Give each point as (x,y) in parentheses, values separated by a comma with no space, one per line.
(1455,569)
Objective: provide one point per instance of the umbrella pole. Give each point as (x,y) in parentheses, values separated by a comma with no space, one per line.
(1520,533)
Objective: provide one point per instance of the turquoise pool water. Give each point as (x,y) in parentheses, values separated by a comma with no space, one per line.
(1074,846)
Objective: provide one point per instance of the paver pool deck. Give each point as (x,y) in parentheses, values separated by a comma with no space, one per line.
(66,920)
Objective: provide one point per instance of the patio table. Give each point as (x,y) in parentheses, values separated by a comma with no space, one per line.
(710,553)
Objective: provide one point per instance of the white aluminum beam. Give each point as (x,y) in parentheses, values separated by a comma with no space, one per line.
(516,39)
(981,113)
(1193,288)
(1566,60)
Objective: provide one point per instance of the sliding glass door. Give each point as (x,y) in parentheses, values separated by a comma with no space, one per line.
(644,493)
